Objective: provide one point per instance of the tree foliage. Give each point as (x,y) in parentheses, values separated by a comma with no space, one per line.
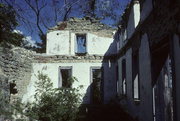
(53,104)
(39,15)
(8,23)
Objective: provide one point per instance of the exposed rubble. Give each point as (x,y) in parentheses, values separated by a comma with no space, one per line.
(83,25)
(15,63)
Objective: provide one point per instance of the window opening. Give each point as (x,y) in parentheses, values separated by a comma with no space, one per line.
(81,43)
(124,77)
(135,76)
(96,85)
(65,77)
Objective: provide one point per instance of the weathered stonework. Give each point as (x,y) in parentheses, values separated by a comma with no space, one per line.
(85,24)
(40,58)
(16,66)
(4,96)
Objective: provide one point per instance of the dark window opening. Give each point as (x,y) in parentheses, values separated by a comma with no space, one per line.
(80,44)
(65,77)
(117,79)
(135,76)
(96,86)
(13,89)
(179,39)
(124,77)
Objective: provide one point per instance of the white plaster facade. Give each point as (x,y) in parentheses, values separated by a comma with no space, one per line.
(147,7)
(176,45)
(63,43)
(157,69)
(134,19)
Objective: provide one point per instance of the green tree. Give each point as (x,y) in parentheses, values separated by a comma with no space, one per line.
(37,16)
(8,23)
(54,104)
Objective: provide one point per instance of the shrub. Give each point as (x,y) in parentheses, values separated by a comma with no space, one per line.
(54,104)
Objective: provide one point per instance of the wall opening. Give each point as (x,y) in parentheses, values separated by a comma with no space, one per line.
(65,75)
(96,88)
(13,89)
(135,76)
(81,45)
(124,90)
(117,79)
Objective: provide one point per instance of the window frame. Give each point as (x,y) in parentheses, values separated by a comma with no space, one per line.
(124,78)
(60,81)
(102,81)
(135,56)
(76,44)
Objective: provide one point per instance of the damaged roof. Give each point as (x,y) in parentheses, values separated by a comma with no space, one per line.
(86,24)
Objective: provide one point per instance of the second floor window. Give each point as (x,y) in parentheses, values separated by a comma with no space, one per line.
(80,43)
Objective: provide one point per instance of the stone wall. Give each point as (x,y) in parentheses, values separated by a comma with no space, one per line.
(4,96)
(85,24)
(15,64)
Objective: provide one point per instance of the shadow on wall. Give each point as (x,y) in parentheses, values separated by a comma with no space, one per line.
(99,103)
(103,79)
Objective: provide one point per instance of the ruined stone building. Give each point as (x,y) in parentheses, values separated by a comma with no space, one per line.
(139,64)
(79,48)
(83,48)
(148,41)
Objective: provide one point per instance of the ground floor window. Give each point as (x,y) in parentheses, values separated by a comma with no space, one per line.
(135,76)
(65,74)
(96,86)
(117,79)
(124,77)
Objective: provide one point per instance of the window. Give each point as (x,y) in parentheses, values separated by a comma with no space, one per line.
(96,87)
(124,77)
(13,89)
(65,75)
(135,76)
(117,79)
(80,43)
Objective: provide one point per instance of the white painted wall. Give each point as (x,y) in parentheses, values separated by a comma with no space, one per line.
(58,43)
(134,18)
(143,110)
(79,70)
(63,43)
(145,80)
(122,38)
(146,9)
(176,49)
(133,21)
(98,45)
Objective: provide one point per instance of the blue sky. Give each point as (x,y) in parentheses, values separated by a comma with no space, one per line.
(48,12)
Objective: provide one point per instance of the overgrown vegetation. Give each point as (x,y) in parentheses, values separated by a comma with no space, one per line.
(8,23)
(34,15)
(53,104)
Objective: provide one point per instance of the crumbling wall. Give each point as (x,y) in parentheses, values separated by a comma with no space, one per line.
(4,96)
(16,63)
(86,24)
(96,34)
